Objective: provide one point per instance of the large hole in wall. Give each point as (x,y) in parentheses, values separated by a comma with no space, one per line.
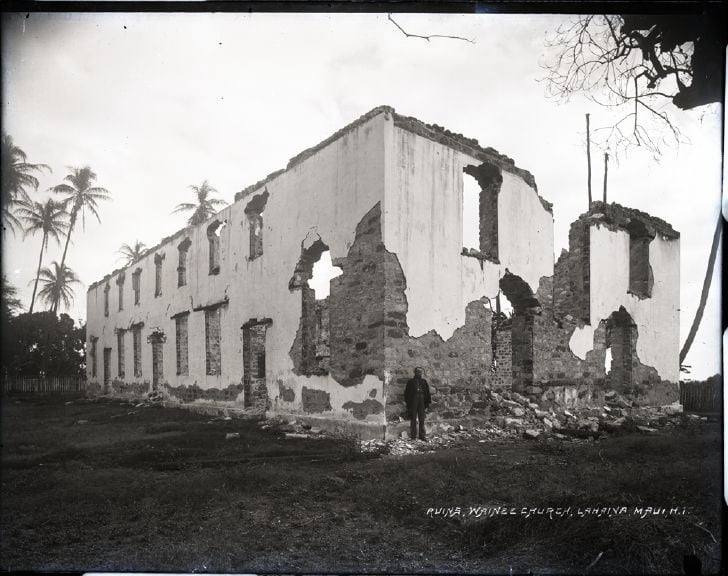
(608,360)
(621,342)
(501,336)
(323,272)
(525,306)
(313,274)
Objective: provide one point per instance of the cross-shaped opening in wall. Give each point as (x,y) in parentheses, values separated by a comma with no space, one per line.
(323,272)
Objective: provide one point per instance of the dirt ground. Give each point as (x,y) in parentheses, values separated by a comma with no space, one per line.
(106,486)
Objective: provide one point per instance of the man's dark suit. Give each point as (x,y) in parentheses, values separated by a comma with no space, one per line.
(417,397)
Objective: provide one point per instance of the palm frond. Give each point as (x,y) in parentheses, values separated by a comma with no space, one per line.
(184,207)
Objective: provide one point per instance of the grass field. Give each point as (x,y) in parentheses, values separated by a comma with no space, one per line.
(105,486)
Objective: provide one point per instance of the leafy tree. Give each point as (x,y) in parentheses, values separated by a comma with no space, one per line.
(639,63)
(9,308)
(17,175)
(205,206)
(44,343)
(132,253)
(11,304)
(80,194)
(51,219)
(57,288)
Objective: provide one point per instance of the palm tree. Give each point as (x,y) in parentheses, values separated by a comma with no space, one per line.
(205,206)
(132,253)
(80,194)
(57,288)
(50,219)
(17,175)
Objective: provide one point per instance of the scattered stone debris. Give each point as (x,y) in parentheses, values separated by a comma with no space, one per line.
(444,435)
(292,428)
(153,397)
(513,416)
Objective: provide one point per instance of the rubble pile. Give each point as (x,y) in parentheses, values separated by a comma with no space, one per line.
(512,411)
(292,428)
(150,399)
(446,435)
(511,415)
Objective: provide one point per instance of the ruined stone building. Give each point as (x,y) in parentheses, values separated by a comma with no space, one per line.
(222,316)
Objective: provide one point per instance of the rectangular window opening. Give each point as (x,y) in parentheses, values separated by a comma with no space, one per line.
(481,187)
(181,345)
(471,213)
(120,351)
(213,240)
(183,250)
(137,345)
(120,283)
(255,392)
(639,266)
(212,341)
(261,364)
(107,288)
(94,341)
(158,275)
(254,211)
(135,284)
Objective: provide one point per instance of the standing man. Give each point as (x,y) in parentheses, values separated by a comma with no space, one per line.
(417,397)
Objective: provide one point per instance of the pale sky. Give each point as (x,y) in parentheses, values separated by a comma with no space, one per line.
(156,102)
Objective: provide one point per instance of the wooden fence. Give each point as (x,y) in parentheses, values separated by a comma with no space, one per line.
(50,385)
(701,397)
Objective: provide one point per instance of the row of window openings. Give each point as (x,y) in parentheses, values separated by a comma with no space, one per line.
(213,238)
(322,274)
(213,357)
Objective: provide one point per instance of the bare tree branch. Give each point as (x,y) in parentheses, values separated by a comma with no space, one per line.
(635,62)
(408,35)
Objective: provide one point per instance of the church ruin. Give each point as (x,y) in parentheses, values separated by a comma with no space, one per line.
(222,316)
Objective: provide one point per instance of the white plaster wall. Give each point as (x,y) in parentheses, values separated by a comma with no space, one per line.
(423,223)
(525,231)
(327,194)
(657,317)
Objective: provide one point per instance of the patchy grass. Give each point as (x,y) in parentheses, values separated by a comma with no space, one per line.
(161,489)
